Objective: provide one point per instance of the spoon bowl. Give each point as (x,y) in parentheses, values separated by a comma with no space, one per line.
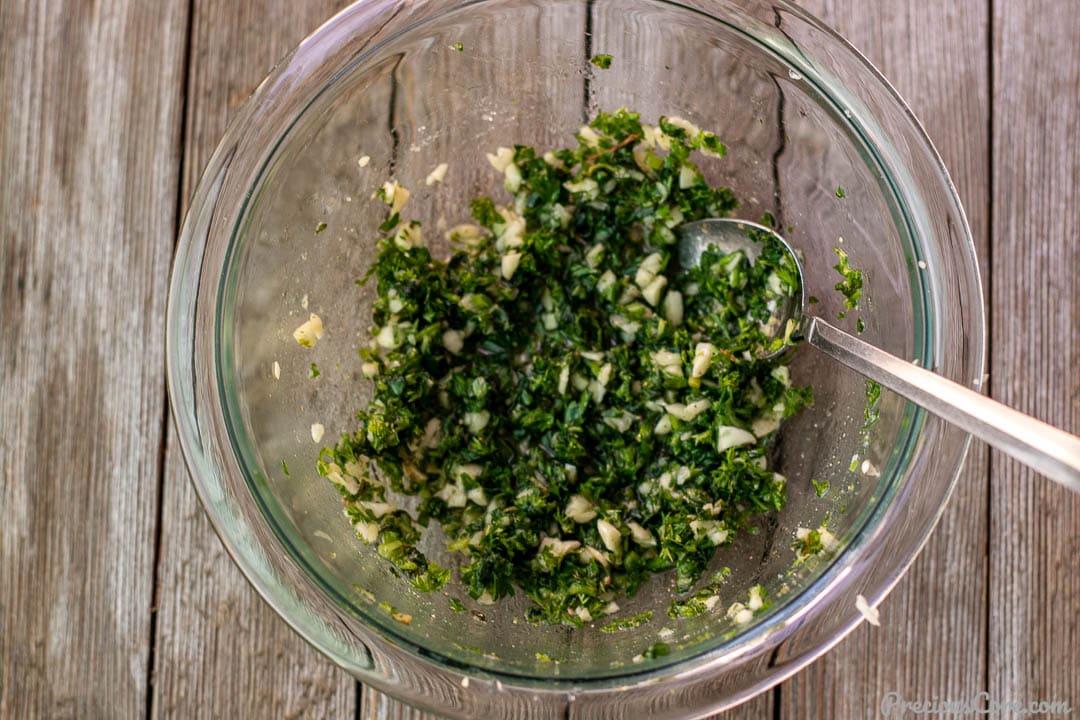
(731,236)
(1051,451)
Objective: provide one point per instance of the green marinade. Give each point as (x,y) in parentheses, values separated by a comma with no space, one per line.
(575,411)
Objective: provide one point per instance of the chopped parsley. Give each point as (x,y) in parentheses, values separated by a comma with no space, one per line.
(313,371)
(458,46)
(602,61)
(456,605)
(840,194)
(656,650)
(851,283)
(812,543)
(873,403)
(628,623)
(701,601)
(320,227)
(575,412)
(821,487)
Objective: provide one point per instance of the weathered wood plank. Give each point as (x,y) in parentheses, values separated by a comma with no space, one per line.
(932,642)
(90,113)
(1034,614)
(221,651)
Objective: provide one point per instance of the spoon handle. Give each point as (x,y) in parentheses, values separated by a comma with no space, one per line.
(1053,452)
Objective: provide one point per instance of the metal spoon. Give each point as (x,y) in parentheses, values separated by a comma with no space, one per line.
(1051,451)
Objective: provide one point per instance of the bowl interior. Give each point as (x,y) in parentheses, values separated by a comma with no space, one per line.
(523,76)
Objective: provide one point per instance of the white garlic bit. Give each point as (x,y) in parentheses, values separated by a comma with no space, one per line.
(437,175)
(310,332)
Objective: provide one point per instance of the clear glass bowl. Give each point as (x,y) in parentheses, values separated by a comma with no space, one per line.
(802,114)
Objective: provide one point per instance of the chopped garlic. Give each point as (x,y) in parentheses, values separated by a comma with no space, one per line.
(317,431)
(579,509)
(564,379)
(378,509)
(367,531)
(510,262)
(511,234)
(640,535)
(587,187)
(765,424)
(477,496)
(740,613)
(409,236)
(691,129)
(703,354)
(604,376)
(868,612)
(369,369)
(583,613)
(334,474)
(673,307)
(562,214)
(453,494)
(628,328)
(729,436)
(363,161)
(550,159)
(688,177)
(310,332)
(453,341)
(388,337)
(477,421)
(277,370)
(466,234)
(629,294)
(648,269)
(437,175)
(686,413)
(513,177)
(641,158)
(652,292)
(395,195)
(782,374)
(609,534)
(468,470)
(558,548)
(669,362)
(588,136)
(712,529)
(595,254)
(590,553)
(501,159)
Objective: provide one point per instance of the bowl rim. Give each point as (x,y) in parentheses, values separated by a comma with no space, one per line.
(196,443)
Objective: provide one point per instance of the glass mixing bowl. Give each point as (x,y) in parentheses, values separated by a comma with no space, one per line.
(283,223)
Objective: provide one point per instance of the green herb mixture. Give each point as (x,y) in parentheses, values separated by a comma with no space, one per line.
(575,411)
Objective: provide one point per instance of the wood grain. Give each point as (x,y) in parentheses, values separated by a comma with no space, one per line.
(221,651)
(90,99)
(932,642)
(95,148)
(1034,614)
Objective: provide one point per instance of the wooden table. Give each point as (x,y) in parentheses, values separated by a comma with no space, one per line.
(117,599)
